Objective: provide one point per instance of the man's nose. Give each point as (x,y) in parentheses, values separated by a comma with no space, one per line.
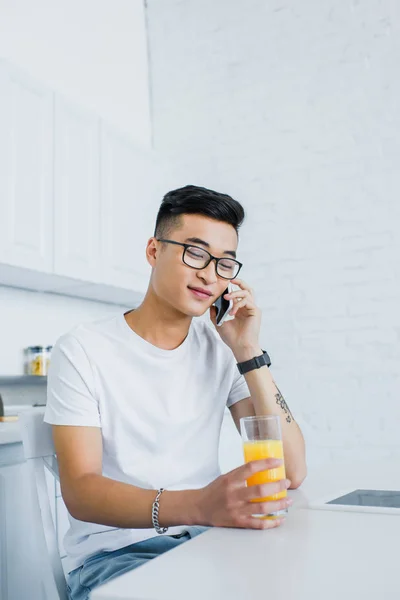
(209,273)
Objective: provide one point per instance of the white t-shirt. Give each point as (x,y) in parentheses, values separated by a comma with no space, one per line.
(160,412)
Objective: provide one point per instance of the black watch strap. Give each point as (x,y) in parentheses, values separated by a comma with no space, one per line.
(254,363)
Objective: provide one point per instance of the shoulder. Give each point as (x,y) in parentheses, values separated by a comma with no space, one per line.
(85,335)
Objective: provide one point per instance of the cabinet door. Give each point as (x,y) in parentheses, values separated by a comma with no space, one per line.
(26,172)
(128,211)
(77,193)
(18,565)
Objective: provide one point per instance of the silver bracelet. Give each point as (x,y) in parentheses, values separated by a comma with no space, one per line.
(154,513)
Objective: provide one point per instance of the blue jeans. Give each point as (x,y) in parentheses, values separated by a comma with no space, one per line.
(104,566)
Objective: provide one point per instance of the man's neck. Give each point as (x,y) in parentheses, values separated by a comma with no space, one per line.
(158,323)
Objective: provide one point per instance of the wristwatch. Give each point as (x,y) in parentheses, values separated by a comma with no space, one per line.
(254,363)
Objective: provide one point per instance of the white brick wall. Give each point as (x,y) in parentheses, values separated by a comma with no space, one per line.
(293,107)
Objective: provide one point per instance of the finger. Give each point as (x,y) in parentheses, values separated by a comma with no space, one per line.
(266,508)
(241,284)
(271,523)
(257,523)
(264,490)
(254,466)
(244,303)
(239,304)
(237,294)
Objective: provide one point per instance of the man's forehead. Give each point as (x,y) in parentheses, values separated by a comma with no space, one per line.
(218,234)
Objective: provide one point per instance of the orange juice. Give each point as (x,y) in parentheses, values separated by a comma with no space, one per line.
(265,449)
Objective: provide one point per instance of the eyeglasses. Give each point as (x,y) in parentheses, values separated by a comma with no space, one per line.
(198,258)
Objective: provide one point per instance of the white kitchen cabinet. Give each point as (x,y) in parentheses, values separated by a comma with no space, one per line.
(78,200)
(19,578)
(128,210)
(26,172)
(76,193)
(20,527)
(102,194)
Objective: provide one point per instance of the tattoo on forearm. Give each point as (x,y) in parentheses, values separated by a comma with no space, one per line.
(280,400)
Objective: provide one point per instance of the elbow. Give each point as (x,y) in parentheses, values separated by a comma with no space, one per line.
(73,507)
(296,483)
(75,504)
(297,478)
(76,494)
(78,512)
(75,512)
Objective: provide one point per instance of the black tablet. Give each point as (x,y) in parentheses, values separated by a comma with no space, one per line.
(381,498)
(360,500)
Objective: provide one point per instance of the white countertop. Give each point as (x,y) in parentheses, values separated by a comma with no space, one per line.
(315,555)
(10,431)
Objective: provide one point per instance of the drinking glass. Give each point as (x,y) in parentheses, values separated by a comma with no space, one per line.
(262,438)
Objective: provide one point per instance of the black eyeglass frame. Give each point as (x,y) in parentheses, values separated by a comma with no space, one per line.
(186,246)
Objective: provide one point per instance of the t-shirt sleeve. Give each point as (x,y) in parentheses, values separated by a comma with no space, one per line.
(71,397)
(239,389)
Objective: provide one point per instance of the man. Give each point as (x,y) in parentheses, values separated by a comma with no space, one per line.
(137,403)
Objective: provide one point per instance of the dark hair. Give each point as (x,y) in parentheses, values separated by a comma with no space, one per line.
(192,199)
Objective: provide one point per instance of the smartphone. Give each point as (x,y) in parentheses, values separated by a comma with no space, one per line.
(223,306)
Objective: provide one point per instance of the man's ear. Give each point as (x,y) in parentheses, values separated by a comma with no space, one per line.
(151,251)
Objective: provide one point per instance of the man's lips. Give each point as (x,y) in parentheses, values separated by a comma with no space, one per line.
(200,292)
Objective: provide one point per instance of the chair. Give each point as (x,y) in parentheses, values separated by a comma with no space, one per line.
(40,455)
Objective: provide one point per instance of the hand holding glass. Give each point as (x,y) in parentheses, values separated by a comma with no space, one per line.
(262,438)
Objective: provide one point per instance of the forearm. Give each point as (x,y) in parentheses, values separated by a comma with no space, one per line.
(268,400)
(98,499)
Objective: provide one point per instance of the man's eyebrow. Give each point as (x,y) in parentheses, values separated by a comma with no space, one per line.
(196,240)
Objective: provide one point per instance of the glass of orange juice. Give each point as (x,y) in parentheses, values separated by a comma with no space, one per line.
(262,438)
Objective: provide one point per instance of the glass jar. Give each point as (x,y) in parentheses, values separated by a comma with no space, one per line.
(48,355)
(38,360)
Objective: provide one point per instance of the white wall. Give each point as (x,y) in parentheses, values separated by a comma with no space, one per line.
(34,318)
(95,52)
(293,108)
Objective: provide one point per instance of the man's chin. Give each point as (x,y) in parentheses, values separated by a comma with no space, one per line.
(196,311)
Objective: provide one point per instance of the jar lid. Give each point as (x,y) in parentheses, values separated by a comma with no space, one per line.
(36,348)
